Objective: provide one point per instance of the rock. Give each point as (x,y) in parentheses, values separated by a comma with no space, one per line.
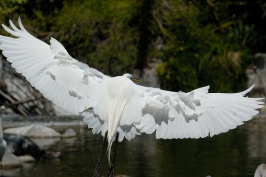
(2,147)
(257,75)
(69,133)
(21,145)
(260,171)
(26,158)
(10,161)
(34,131)
(45,143)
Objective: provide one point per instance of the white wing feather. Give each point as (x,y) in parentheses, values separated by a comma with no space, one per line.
(196,114)
(65,81)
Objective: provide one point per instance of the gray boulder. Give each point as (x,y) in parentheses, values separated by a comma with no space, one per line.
(34,130)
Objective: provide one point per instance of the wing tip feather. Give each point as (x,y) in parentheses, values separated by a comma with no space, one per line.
(21,25)
(247,90)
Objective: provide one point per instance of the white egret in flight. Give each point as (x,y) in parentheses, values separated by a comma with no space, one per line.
(117,105)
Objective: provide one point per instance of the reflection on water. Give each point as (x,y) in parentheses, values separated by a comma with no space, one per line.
(236,153)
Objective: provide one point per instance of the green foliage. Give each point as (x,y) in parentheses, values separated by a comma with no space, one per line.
(7,7)
(99,33)
(185,81)
(205,39)
(207,42)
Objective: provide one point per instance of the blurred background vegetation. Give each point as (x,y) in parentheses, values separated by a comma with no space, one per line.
(196,42)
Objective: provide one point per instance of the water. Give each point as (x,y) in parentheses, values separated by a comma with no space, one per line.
(233,154)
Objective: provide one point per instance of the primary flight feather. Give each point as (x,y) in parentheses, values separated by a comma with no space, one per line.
(117,104)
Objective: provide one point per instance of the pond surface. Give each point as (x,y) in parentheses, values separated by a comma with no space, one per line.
(233,154)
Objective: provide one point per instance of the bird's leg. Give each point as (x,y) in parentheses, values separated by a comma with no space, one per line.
(112,166)
(98,163)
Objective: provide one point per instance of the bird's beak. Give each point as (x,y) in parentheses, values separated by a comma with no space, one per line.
(136,80)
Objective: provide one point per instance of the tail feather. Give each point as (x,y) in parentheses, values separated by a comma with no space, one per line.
(116,108)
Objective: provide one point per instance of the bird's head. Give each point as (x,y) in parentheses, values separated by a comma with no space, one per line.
(129,76)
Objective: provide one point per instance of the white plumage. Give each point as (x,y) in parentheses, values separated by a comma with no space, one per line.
(117,104)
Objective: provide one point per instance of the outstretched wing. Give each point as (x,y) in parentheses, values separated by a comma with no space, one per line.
(65,81)
(196,114)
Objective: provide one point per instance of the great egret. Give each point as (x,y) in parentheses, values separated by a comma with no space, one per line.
(116,104)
